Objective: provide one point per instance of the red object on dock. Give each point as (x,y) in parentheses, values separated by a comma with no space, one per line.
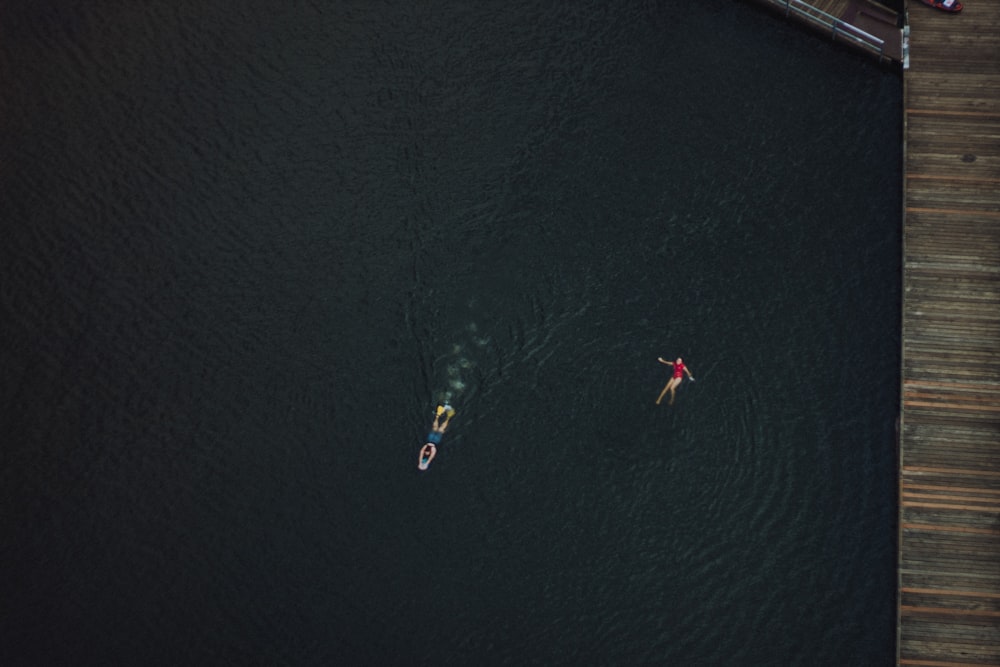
(952,6)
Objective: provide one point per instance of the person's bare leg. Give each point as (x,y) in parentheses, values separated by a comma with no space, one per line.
(670,387)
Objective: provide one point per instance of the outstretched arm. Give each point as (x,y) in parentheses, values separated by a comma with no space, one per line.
(688,371)
(664,361)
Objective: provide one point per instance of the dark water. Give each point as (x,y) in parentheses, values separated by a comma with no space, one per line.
(248,250)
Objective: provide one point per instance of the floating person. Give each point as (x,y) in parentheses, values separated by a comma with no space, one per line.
(429,450)
(679,370)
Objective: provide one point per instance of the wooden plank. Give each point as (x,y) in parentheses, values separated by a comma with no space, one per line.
(967,581)
(939,490)
(931,454)
(970,434)
(953,93)
(954,148)
(948,611)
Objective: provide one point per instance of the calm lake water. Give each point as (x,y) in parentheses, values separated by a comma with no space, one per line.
(249,251)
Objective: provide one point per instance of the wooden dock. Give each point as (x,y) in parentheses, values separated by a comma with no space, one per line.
(861,24)
(949,449)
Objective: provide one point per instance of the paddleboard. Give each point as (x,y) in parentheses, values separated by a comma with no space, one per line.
(434,437)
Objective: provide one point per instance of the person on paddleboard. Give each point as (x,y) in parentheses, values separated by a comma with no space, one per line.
(679,370)
(429,450)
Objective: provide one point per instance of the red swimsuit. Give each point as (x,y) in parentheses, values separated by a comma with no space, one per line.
(678,370)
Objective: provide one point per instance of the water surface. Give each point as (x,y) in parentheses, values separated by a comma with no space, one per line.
(249,252)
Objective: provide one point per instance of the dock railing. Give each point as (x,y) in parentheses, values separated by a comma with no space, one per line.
(838,28)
